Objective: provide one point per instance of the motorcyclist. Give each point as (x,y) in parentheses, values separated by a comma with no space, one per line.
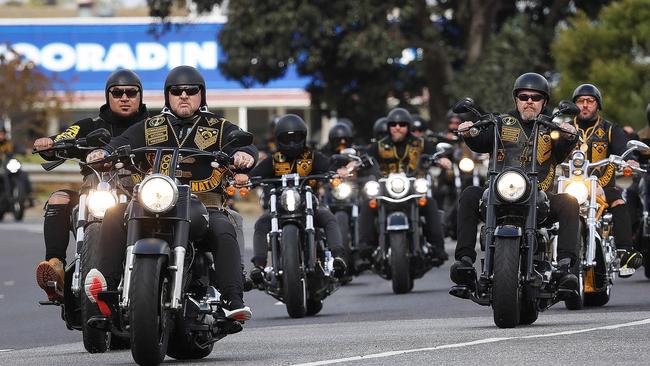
(185,121)
(124,107)
(294,157)
(420,126)
(401,151)
(7,150)
(379,130)
(531,94)
(338,138)
(598,139)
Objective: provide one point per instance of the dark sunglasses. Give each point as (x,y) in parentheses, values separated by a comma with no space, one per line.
(118,93)
(398,124)
(533,97)
(189,90)
(293,137)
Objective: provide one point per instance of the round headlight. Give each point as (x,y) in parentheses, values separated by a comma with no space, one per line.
(421,185)
(99,201)
(511,186)
(290,199)
(342,191)
(13,165)
(466,165)
(371,188)
(397,185)
(158,193)
(578,190)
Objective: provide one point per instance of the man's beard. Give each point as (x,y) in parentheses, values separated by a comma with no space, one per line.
(529,115)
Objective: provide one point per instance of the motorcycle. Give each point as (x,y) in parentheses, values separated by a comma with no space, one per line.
(643,231)
(598,264)
(517,272)
(99,191)
(165,303)
(301,272)
(402,254)
(14,194)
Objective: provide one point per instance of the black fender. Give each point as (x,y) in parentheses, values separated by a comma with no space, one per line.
(397,221)
(151,246)
(508,231)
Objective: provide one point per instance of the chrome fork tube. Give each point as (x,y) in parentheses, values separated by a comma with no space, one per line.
(81,223)
(128,267)
(177,268)
(591,223)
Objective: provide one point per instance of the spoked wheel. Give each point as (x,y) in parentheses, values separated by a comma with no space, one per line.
(602,284)
(506,291)
(293,282)
(400,263)
(95,340)
(150,321)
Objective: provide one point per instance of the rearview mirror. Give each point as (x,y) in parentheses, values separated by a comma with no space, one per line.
(98,138)
(568,108)
(349,151)
(443,147)
(637,145)
(464,105)
(239,138)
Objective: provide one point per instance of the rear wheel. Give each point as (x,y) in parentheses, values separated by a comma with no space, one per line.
(399,263)
(293,282)
(506,291)
(150,321)
(95,340)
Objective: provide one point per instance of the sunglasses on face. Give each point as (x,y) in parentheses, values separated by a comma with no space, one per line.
(588,101)
(189,90)
(533,97)
(117,93)
(398,124)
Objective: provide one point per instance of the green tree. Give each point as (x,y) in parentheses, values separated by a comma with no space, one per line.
(26,99)
(613,54)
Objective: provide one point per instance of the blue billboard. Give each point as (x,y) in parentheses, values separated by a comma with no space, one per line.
(84,54)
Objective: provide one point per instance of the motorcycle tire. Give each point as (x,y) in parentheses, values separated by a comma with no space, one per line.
(343,221)
(293,282)
(19,197)
(400,265)
(528,312)
(119,343)
(506,290)
(150,322)
(314,306)
(95,340)
(646,268)
(601,297)
(182,347)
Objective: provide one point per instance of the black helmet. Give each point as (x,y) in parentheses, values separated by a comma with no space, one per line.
(532,81)
(400,115)
(339,131)
(123,77)
(419,123)
(290,135)
(588,90)
(347,122)
(380,128)
(184,75)
(451,114)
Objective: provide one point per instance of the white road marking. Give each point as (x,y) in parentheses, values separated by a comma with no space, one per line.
(6,350)
(472,343)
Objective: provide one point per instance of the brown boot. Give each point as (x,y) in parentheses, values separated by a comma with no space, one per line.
(51,271)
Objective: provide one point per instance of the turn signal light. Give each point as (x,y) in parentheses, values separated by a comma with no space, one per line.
(627,171)
(372,203)
(230,190)
(243,192)
(335,182)
(422,201)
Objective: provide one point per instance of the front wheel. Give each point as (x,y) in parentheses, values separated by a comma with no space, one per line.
(400,263)
(19,199)
(95,340)
(150,321)
(343,221)
(506,291)
(293,281)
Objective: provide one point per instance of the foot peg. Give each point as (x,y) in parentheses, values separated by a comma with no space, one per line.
(462,292)
(100,322)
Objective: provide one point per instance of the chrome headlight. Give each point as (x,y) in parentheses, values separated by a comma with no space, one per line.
(511,186)
(158,193)
(397,185)
(290,200)
(13,165)
(578,190)
(466,165)
(99,201)
(371,188)
(421,185)
(342,191)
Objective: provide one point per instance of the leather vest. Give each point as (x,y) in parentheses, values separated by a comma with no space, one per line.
(391,162)
(516,151)
(301,165)
(595,142)
(6,147)
(206,134)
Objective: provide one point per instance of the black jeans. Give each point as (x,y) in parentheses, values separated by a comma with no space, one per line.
(564,209)
(323,218)
(221,240)
(57,226)
(622,219)
(368,232)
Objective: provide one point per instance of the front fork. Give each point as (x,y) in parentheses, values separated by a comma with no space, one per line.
(81,223)
(310,231)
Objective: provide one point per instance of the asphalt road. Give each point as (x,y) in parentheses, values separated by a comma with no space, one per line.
(361,324)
